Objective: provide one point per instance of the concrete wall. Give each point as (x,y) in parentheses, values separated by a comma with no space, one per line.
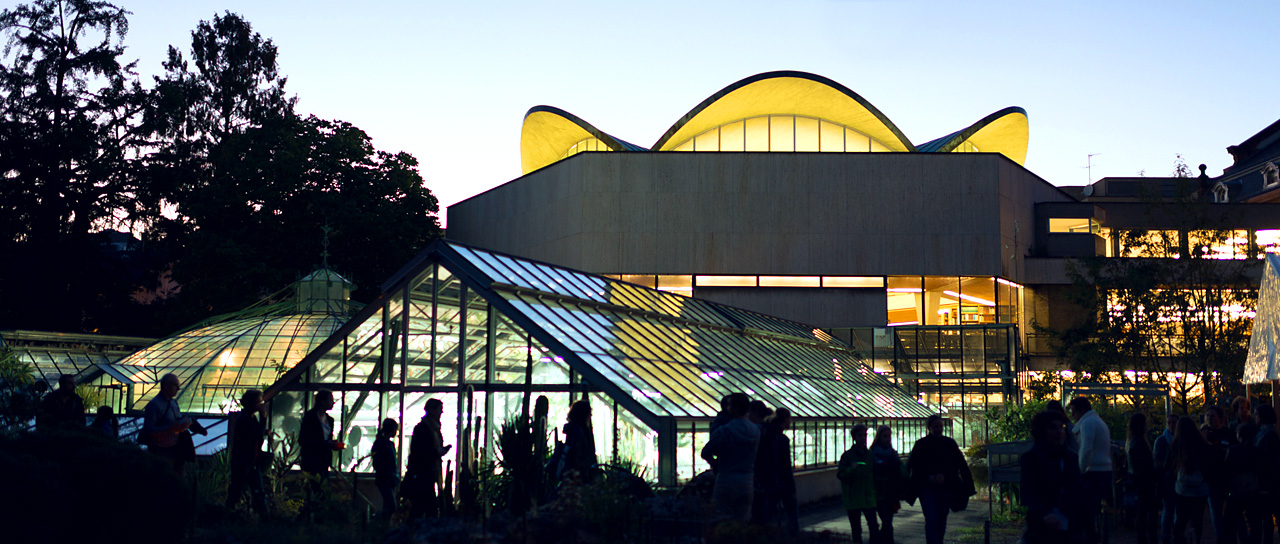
(768,213)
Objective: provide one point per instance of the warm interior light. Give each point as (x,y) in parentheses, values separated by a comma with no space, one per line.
(725,281)
(970,298)
(900,323)
(1009,283)
(904,290)
(852,281)
(790,281)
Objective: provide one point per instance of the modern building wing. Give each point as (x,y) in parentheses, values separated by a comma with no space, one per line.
(484,332)
(785,111)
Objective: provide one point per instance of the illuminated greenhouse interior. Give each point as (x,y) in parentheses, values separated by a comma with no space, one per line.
(783,111)
(487,333)
(216,361)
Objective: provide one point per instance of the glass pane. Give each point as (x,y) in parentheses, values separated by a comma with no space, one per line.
(941,300)
(905,300)
(757,134)
(831,137)
(806,134)
(782,133)
(732,137)
(707,141)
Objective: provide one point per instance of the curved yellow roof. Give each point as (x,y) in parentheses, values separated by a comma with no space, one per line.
(549,132)
(1005,131)
(786,93)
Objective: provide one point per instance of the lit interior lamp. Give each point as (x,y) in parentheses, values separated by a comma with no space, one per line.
(969,298)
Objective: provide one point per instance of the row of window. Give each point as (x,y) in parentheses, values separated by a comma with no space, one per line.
(782,133)
(1224,244)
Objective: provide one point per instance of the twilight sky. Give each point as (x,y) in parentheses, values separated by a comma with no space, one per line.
(450,82)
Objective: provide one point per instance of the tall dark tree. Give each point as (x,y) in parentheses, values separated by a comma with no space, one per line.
(68,144)
(252,183)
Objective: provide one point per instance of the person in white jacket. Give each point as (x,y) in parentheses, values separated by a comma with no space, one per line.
(1094,439)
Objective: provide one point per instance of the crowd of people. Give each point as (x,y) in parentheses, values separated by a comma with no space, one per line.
(167,433)
(1224,466)
(750,455)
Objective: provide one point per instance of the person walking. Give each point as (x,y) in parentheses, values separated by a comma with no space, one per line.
(775,476)
(1190,457)
(1143,478)
(858,486)
(1167,477)
(1220,438)
(61,409)
(579,442)
(888,481)
(1242,463)
(731,451)
(315,440)
(1094,438)
(163,423)
(1050,482)
(938,475)
(386,465)
(247,431)
(1267,445)
(426,451)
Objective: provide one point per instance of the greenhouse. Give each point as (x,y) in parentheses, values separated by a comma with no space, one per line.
(486,333)
(218,359)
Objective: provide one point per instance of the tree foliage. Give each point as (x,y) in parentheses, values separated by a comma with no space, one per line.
(1172,312)
(227,186)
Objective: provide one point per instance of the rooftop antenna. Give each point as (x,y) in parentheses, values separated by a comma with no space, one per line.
(1089,168)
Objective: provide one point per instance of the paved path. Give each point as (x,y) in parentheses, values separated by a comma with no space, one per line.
(908,524)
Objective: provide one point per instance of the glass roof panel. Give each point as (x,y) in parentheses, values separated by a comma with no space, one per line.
(677,356)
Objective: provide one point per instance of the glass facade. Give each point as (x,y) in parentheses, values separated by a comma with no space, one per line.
(960,370)
(782,133)
(588,144)
(951,300)
(486,333)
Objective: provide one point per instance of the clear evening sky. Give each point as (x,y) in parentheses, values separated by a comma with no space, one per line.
(1137,82)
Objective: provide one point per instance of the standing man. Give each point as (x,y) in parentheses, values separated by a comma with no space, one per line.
(858,486)
(426,450)
(939,474)
(1094,439)
(316,441)
(247,432)
(63,408)
(1167,477)
(732,451)
(163,422)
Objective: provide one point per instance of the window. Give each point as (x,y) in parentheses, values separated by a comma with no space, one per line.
(1074,225)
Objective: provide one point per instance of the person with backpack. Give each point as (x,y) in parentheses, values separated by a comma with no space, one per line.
(731,452)
(940,477)
(888,479)
(858,486)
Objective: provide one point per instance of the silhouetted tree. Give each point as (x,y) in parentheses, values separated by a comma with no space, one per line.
(69,142)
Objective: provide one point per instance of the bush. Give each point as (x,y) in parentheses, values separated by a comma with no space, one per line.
(72,486)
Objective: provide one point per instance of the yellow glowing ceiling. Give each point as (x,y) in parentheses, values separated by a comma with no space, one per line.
(1005,131)
(549,132)
(786,93)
